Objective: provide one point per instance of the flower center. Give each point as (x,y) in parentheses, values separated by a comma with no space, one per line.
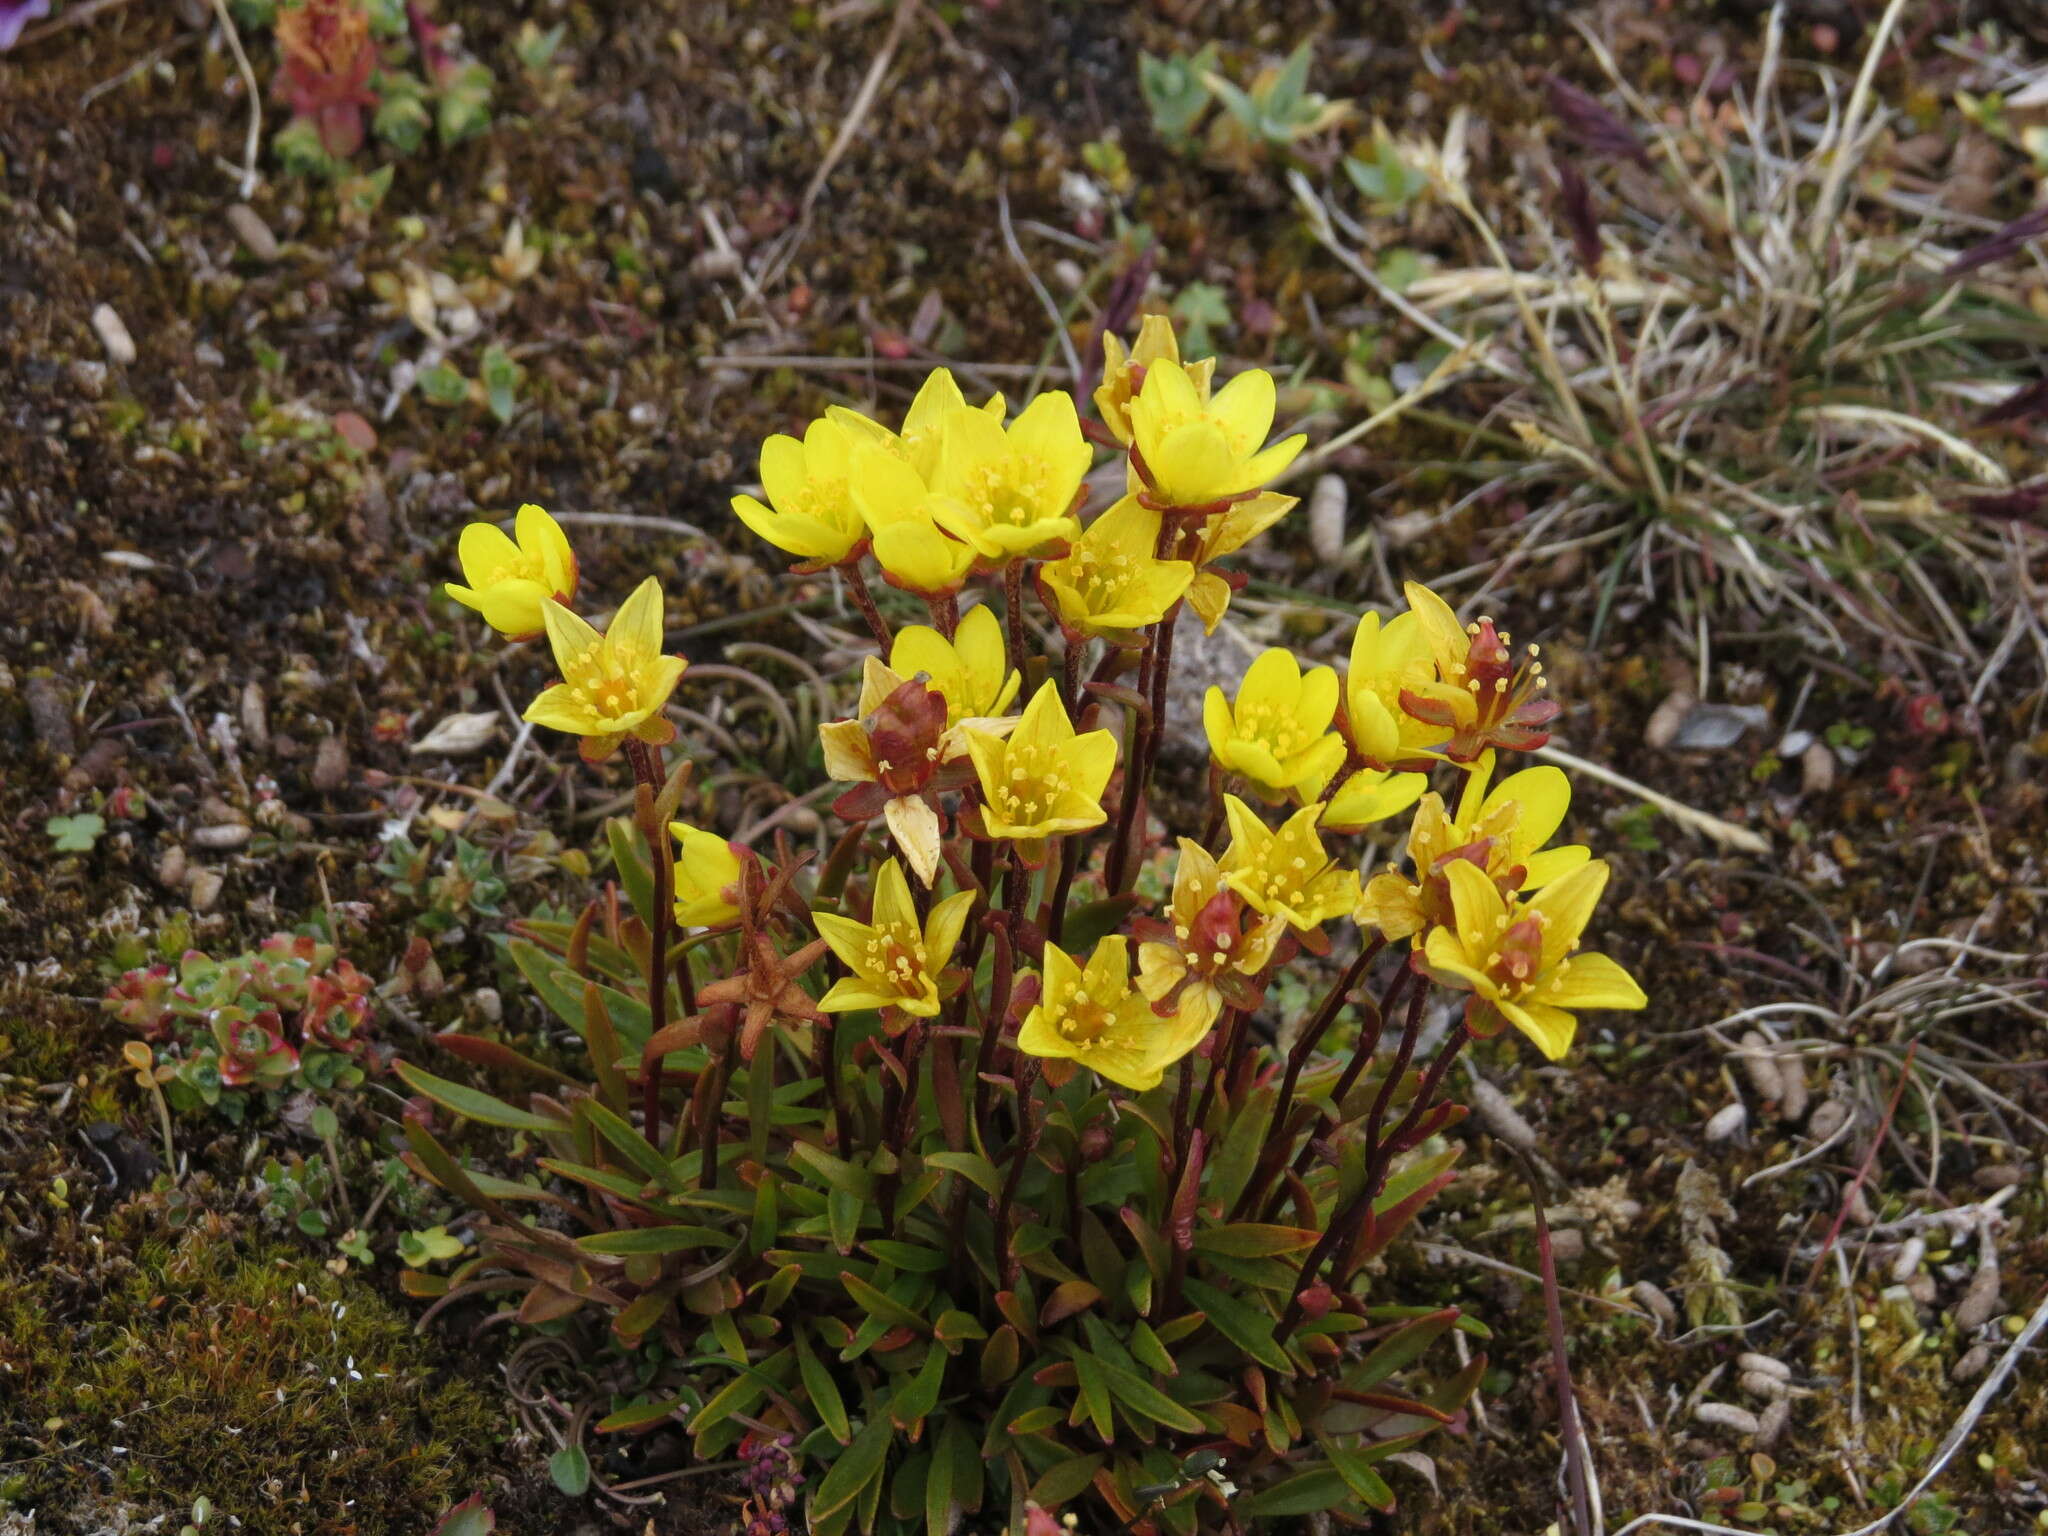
(1079,1018)
(604,679)
(1034,781)
(1281,730)
(1009,493)
(894,955)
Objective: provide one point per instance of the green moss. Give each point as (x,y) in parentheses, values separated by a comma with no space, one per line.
(32,1049)
(238,1370)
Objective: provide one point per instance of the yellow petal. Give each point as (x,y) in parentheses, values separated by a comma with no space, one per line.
(1567,905)
(1244,407)
(847,938)
(1551,1028)
(1592,981)
(570,637)
(915,826)
(892,904)
(638,622)
(1475,904)
(849,758)
(942,928)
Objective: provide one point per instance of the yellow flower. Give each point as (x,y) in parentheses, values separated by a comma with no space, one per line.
(614,684)
(899,508)
(707,869)
(894,963)
(811,512)
(1372,794)
(1479,698)
(1277,734)
(512,580)
(1285,874)
(1225,533)
(1386,658)
(1010,491)
(1207,952)
(1198,451)
(923,424)
(1123,374)
(1096,1018)
(894,748)
(968,670)
(1110,582)
(1043,780)
(1501,831)
(1519,960)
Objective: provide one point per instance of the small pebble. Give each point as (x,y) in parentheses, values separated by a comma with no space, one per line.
(113,334)
(1827,1119)
(1972,1364)
(171,867)
(1981,1301)
(1772,1423)
(254,234)
(1727,1416)
(1793,1100)
(1666,718)
(1907,1264)
(203,889)
(89,377)
(330,764)
(1656,1303)
(49,712)
(1727,1122)
(1816,769)
(1761,1065)
(222,837)
(1327,504)
(1500,1117)
(255,713)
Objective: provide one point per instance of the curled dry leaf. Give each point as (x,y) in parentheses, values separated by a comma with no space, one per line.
(458,735)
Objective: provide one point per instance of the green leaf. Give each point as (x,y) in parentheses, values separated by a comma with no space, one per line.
(880,1306)
(1148,1351)
(1094,1400)
(915,1400)
(1065,1480)
(953,1486)
(469,1518)
(821,1389)
(971,1166)
(1141,1397)
(858,1465)
(654,1240)
(443,385)
(638,1416)
(1253,1240)
(501,379)
(837,1173)
(631,1145)
(473,1105)
(1370,1488)
(570,1468)
(1250,1329)
(1399,1348)
(1305,1493)
(629,859)
(75,834)
(1095,919)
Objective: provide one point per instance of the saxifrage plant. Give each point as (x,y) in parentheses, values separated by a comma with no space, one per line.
(988,1176)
